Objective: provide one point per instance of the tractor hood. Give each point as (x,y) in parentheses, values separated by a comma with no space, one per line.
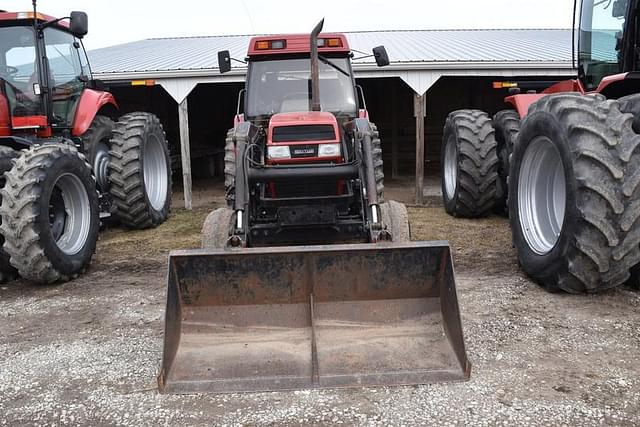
(303,137)
(311,126)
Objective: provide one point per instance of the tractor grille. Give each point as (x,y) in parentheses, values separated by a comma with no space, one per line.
(303,133)
(285,190)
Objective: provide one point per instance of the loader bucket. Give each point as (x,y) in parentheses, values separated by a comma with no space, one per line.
(285,318)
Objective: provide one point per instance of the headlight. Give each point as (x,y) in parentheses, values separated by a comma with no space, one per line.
(278,152)
(329,150)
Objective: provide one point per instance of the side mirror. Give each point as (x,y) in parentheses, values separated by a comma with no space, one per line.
(619,9)
(380,53)
(224,61)
(79,24)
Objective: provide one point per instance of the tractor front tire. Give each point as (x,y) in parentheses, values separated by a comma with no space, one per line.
(50,216)
(396,218)
(469,164)
(140,171)
(7,271)
(215,230)
(574,186)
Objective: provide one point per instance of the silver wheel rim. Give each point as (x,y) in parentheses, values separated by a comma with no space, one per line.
(101,165)
(77,214)
(541,195)
(450,167)
(155,173)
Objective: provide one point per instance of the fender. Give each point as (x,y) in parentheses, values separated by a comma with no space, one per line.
(521,102)
(91,101)
(607,80)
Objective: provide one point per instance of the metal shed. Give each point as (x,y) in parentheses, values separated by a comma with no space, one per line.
(440,69)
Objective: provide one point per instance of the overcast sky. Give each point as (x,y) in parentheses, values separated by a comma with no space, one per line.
(117,21)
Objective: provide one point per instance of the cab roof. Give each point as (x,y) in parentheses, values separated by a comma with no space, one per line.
(26,17)
(297,43)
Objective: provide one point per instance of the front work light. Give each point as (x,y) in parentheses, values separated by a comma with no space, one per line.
(278,152)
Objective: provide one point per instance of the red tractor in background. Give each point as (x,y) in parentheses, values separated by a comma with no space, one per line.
(66,159)
(564,162)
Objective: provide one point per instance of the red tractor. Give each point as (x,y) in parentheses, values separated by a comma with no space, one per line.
(309,278)
(303,164)
(565,161)
(66,159)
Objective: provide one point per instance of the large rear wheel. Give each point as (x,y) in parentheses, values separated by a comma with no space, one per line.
(7,271)
(573,194)
(50,215)
(140,171)
(469,164)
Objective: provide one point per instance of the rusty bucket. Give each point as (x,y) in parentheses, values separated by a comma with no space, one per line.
(285,318)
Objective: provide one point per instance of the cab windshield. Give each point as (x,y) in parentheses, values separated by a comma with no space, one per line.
(18,70)
(601,33)
(284,85)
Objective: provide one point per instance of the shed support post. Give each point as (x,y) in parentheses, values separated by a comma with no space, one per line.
(394,131)
(185,151)
(419,112)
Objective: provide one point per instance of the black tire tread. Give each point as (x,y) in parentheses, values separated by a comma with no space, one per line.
(507,126)
(215,229)
(477,177)
(230,168)
(20,204)
(378,164)
(7,271)
(606,157)
(125,172)
(396,218)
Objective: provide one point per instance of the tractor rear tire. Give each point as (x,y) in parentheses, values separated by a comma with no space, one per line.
(7,271)
(215,230)
(396,218)
(140,171)
(507,126)
(50,215)
(378,164)
(469,164)
(96,146)
(574,194)
(230,169)
(631,104)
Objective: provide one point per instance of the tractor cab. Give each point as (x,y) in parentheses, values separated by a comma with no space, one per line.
(608,46)
(279,77)
(43,71)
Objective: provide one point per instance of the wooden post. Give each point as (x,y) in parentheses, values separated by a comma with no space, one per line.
(185,151)
(419,113)
(394,130)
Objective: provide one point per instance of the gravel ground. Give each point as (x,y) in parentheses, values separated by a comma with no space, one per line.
(88,351)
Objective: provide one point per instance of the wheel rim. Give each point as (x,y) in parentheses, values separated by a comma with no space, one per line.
(69,214)
(541,195)
(155,173)
(101,164)
(450,167)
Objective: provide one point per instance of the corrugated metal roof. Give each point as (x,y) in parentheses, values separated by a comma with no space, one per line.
(410,47)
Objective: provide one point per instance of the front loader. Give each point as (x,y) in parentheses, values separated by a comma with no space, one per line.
(308,279)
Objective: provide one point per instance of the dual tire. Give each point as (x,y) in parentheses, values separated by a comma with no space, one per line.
(50,204)
(469,162)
